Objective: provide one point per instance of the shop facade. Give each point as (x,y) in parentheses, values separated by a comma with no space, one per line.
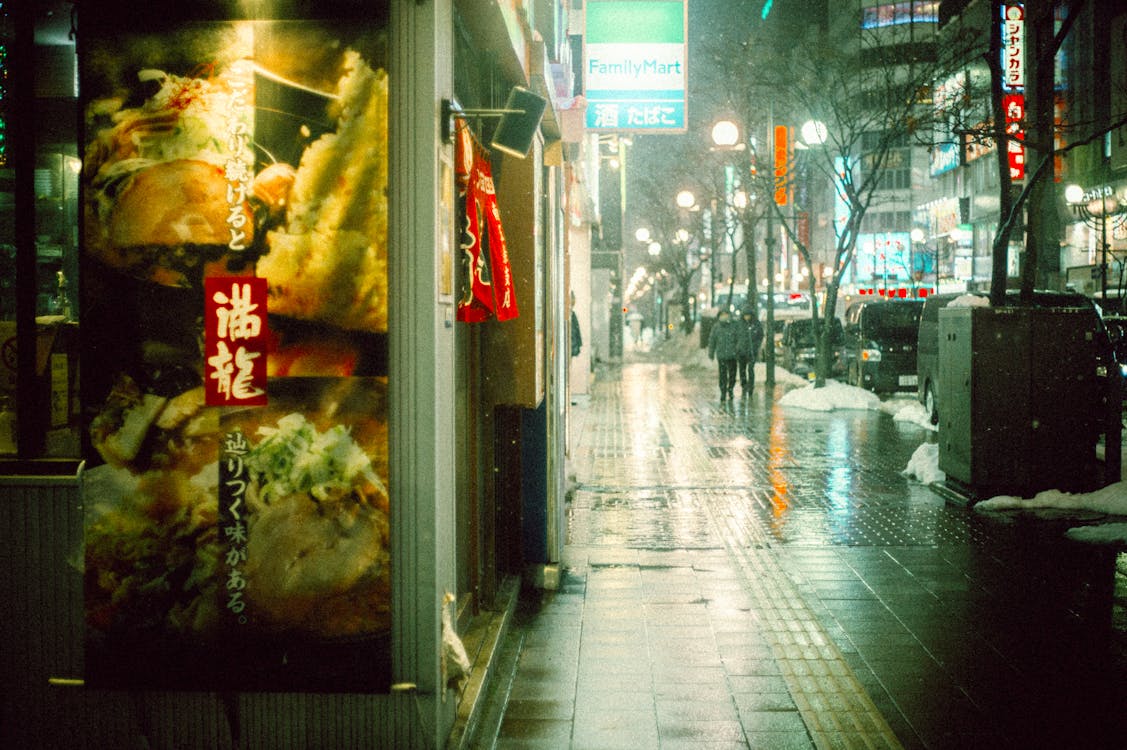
(265,484)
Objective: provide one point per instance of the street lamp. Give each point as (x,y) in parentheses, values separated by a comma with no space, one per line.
(918,238)
(686,199)
(814,132)
(726,135)
(1097,205)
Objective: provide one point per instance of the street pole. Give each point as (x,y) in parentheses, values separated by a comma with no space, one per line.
(769,334)
(1103,239)
(937,266)
(769,337)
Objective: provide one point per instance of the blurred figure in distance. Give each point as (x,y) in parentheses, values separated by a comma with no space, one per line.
(746,357)
(725,342)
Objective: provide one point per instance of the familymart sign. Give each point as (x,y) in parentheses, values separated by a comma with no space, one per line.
(634,64)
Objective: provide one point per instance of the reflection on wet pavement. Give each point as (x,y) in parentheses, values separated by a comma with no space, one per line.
(750,575)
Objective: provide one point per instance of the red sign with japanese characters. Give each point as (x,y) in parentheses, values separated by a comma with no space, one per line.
(1014,106)
(1013,81)
(235,341)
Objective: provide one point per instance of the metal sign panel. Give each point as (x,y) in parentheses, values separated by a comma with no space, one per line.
(635,64)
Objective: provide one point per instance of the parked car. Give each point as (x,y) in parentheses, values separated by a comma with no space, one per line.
(880,343)
(1117,339)
(927,354)
(788,306)
(928,370)
(797,351)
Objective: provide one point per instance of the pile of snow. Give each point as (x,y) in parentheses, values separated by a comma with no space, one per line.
(923,466)
(970,300)
(1111,500)
(833,395)
(1104,533)
(914,413)
(782,375)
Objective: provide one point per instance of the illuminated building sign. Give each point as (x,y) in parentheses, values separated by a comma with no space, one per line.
(1013,82)
(882,258)
(1013,48)
(635,64)
(948,96)
(781,144)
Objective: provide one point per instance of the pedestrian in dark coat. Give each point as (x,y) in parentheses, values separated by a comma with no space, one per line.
(746,357)
(725,342)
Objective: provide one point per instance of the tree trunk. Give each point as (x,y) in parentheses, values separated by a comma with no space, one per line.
(1043,226)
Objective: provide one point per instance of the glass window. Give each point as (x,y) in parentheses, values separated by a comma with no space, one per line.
(39,260)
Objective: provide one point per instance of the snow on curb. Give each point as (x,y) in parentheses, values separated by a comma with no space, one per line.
(833,395)
(1111,500)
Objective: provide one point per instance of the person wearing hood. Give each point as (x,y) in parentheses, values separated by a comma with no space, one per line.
(725,343)
(747,356)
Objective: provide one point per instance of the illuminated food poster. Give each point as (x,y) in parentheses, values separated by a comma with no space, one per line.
(235,369)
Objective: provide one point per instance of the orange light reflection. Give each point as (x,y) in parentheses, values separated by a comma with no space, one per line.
(778,454)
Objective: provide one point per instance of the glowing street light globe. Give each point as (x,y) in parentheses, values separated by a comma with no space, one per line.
(814,132)
(725,134)
(642,234)
(654,249)
(1074,193)
(686,199)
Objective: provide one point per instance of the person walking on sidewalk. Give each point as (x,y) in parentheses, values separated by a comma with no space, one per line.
(747,356)
(725,342)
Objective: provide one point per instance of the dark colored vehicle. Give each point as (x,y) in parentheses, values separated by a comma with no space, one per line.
(1117,333)
(927,354)
(797,351)
(880,344)
(929,372)
(1117,338)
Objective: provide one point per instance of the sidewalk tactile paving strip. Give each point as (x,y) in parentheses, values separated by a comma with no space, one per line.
(814,669)
(753,576)
(835,707)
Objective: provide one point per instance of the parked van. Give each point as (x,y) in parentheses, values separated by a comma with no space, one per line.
(798,353)
(927,353)
(880,344)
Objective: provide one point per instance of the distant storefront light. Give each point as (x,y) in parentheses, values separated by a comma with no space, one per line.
(898,14)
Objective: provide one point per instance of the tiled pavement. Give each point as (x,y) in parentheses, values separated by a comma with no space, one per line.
(752,576)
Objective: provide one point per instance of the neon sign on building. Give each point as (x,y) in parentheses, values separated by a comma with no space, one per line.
(1013,85)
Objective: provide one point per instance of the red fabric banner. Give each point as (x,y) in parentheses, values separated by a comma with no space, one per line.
(487,280)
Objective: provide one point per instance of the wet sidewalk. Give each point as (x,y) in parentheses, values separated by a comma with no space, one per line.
(751,576)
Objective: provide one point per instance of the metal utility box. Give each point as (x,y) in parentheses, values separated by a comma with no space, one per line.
(1023,400)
